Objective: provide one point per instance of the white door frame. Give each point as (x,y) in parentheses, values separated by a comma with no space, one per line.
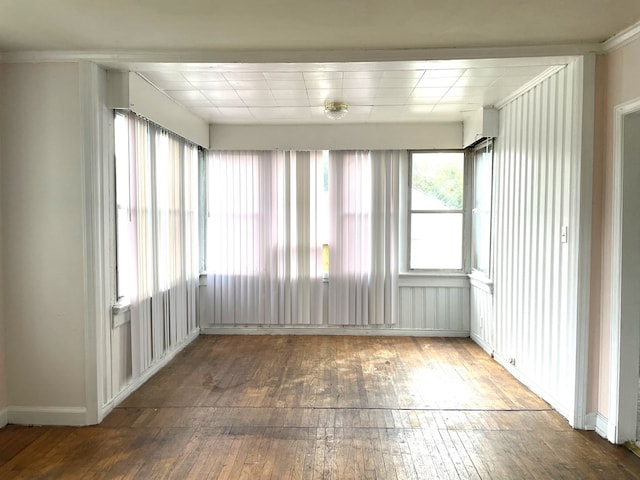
(625,333)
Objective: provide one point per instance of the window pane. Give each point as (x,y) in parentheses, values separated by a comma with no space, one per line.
(123,243)
(437,180)
(481,218)
(436,241)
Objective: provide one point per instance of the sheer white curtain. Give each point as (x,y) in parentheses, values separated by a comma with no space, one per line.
(264,256)
(157,237)
(363,191)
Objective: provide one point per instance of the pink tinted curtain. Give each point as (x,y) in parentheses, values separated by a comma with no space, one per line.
(363,280)
(263,254)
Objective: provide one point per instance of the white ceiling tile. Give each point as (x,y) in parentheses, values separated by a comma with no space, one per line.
(222,85)
(358,93)
(189,97)
(280,112)
(398,82)
(157,77)
(430,82)
(475,81)
(412,74)
(476,99)
(171,85)
(249,84)
(453,108)
(284,76)
(221,94)
(200,76)
(429,92)
(292,102)
(327,83)
(289,93)
(465,91)
(235,112)
(418,109)
(444,72)
(485,72)
(393,92)
(243,76)
(324,94)
(371,75)
(360,83)
(255,94)
(393,100)
(286,84)
(323,75)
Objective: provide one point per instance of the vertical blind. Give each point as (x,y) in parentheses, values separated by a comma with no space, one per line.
(157,245)
(270,213)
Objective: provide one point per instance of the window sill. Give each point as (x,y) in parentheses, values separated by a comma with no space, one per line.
(481,281)
(431,279)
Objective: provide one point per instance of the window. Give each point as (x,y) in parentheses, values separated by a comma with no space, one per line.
(481,212)
(436,210)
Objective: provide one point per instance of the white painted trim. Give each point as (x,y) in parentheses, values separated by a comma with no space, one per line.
(529,85)
(580,202)
(120,59)
(383,331)
(4,417)
(482,343)
(616,389)
(597,422)
(622,38)
(147,374)
(433,281)
(67,416)
(94,189)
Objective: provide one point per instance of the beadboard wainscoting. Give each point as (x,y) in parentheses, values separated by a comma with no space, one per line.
(482,327)
(428,306)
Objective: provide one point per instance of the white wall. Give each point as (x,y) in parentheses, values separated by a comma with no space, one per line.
(531,319)
(341,136)
(42,242)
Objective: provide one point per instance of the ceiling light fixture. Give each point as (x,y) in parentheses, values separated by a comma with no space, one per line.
(336,110)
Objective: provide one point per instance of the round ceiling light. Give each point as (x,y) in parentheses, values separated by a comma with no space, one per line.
(336,110)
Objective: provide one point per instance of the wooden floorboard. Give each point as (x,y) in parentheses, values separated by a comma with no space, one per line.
(322,407)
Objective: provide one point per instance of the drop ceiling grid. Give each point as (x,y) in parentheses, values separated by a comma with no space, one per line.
(372,95)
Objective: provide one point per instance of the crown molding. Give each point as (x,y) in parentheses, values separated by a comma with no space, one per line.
(622,38)
(196,58)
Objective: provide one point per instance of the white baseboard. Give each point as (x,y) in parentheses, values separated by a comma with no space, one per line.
(484,345)
(69,416)
(597,422)
(146,375)
(4,417)
(328,330)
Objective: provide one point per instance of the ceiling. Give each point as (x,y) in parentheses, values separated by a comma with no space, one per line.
(168,34)
(376,92)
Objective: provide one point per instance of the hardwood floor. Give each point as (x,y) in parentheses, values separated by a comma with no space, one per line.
(315,407)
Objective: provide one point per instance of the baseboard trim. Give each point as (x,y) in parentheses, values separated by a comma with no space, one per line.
(328,330)
(484,345)
(597,422)
(146,375)
(4,417)
(68,416)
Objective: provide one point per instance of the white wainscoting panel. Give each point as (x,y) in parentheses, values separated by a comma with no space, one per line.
(482,320)
(428,306)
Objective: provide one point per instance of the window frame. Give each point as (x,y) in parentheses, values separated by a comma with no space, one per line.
(464,254)
(488,143)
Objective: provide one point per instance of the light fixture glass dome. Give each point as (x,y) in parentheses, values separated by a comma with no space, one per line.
(336,110)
